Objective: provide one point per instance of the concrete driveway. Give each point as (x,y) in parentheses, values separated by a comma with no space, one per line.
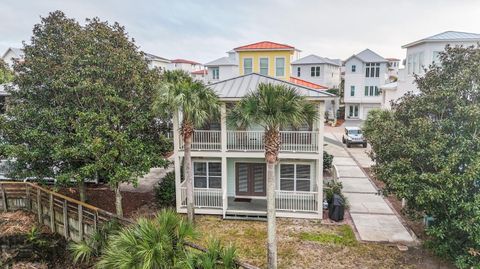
(372,216)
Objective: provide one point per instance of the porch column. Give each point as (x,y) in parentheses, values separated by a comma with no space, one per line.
(223,142)
(320,134)
(176,158)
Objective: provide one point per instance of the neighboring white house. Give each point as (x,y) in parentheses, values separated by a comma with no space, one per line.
(12,55)
(420,54)
(229,166)
(319,70)
(186,65)
(155,61)
(365,72)
(223,68)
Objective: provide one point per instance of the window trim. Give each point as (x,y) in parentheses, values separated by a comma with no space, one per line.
(352,90)
(260,65)
(251,67)
(207,175)
(353,68)
(284,67)
(217,73)
(311,179)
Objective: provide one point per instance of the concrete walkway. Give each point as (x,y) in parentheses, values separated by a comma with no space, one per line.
(372,216)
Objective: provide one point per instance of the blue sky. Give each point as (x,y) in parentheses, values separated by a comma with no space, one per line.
(205,30)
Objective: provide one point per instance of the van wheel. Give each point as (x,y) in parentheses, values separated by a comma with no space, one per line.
(343,140)
(364,145)
(348,145)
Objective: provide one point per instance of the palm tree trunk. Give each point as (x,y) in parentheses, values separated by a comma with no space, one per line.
(118,200)
(271,216)
(81,191)
(187,139)
(272,146)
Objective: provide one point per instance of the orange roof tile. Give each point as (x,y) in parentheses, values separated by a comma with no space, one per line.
(305,83)
(265,45)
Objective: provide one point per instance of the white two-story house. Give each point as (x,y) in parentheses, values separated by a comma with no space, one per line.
(223,68)
(365,72)
(420,54)
(319,70)
(229,166)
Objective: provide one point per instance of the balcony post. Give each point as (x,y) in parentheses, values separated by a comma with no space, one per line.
(320,133)
(223,143)
(223,127)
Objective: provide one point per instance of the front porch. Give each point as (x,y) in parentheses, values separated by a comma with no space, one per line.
(243,188)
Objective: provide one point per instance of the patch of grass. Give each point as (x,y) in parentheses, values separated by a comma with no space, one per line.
(343,237)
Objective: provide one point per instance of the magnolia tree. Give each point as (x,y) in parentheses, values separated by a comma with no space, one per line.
(81,110)
(427,150)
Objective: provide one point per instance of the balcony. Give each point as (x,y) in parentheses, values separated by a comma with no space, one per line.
(291,141)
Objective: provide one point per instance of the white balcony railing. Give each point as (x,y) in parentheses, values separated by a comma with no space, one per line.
(205,140)
(292,141)
(296,201)
(203,198)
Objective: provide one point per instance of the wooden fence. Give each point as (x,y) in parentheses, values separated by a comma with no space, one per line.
(71,218)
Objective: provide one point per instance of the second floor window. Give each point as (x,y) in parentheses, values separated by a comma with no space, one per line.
(215,73)
(247,66)
(315,71)
(298,71)
(372,70)
(354,68)
(352,90)
(280,67)
(264,66)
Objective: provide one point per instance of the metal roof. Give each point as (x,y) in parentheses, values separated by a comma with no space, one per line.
(152,57)
(240,86)
(222,61)
(315,59)
(368,56)
(447,36)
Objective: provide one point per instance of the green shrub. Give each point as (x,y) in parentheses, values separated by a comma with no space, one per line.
(334,187)
(327,160)
(165,191)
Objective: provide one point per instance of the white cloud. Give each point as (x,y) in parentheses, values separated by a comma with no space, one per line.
(205,30)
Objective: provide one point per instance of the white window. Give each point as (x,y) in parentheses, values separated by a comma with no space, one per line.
(315,71)
(420,62)
(354,68)
(298,71)
(280,67)
(352,90)
(215,72)
(207,175)
(295,177)
(247,66)
(264,66)
(371,91)
(372,70)
(409,64)
(353,111)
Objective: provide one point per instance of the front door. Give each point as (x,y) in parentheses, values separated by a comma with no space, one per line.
(250,179)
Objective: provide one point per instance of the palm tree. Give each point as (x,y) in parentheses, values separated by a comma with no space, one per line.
(149,243)
(272,107)
(198,104)
(161,243)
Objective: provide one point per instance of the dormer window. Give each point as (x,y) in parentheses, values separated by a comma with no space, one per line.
(354,68)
